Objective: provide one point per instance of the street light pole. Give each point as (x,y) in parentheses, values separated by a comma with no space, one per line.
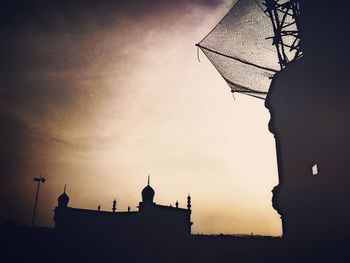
(39,180)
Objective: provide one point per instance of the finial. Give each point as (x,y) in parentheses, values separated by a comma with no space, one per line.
(148,179)
(114,208)
(64,190)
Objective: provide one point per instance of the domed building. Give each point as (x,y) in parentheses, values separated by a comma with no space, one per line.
(151,221)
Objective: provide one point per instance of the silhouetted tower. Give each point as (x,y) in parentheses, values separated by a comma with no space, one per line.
(99,208)
(114,208)
(129,208)
(177,204)
(63,199)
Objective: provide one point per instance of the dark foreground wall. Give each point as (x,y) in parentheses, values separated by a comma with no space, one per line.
(24,244)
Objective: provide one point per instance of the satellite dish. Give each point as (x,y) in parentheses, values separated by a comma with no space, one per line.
(254,40)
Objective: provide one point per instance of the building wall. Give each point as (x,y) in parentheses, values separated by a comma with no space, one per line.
(152,222)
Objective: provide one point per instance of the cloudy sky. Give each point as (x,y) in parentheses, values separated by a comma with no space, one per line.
(97,95)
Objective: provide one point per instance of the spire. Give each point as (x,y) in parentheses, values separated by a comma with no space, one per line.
(149,176)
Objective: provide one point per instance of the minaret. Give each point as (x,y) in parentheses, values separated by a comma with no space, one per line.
(114,208)
(189,214)
(189,202)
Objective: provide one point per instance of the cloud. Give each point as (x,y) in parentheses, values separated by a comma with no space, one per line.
(63,67)
(58,60)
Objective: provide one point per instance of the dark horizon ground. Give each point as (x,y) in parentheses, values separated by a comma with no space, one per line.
(27,244)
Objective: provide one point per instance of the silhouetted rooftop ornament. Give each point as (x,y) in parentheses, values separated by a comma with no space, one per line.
(114,208)
(63,199)
(189,202)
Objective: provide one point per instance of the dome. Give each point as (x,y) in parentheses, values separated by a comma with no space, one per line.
(147,194)
(63,199)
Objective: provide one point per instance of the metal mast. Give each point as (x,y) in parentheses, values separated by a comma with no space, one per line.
(39,180)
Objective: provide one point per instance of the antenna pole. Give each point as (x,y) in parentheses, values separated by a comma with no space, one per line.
(39,180)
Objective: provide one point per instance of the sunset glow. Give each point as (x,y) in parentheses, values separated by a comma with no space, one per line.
(128,99)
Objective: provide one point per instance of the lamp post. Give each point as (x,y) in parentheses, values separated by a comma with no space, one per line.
(39,180)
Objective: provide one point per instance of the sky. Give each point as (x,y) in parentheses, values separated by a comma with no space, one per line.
(97,95)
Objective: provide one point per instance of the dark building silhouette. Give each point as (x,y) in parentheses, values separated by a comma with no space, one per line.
(151,221)
(309,106)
